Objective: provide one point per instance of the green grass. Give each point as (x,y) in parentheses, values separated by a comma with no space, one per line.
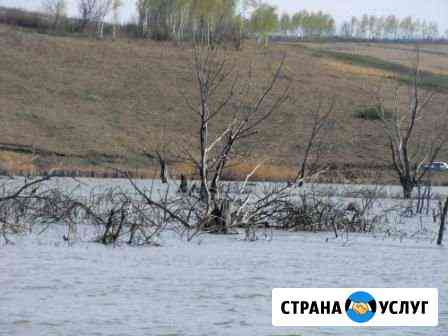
(372,113)
(422,50)
(25,115)
(89,96)
(404,73)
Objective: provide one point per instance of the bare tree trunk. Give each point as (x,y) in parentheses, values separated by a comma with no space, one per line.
(419,198)
(100,30)
(114,32)
(442,223)
(221,217)
(163,168)
(204,136)
(183,184)
(408,186)
(428,197)
(204,191)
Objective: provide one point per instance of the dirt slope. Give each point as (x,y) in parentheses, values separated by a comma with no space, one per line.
(85,103)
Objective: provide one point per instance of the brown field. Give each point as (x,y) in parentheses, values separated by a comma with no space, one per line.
(85,105)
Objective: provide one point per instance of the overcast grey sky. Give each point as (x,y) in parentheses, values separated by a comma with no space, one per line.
(431,10)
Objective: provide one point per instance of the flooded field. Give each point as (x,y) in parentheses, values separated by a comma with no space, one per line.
(213,285)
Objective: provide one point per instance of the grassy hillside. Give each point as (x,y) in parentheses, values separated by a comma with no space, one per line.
(84,104)
(434,68)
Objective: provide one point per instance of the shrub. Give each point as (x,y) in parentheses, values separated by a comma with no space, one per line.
(372,113)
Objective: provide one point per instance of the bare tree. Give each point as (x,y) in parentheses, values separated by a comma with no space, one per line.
(443,214)
(159,154)
(163,168)
(87,12)
(116,5)
(16,201)
(220,91)
(410,150)
(56,9)
(316,123)
(94,11)
(103,9)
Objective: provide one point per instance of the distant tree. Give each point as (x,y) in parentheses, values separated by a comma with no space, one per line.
(363,26)
(297,22)
(422,30)
(379,28)
(331,27)
(315,24)
(87,12)
(391,27)
(142,17)
(103,9)
(285,23)
(346,30)
(94,12)
(407,28)
(57,9)
(239,30)
(433,30)
(264,20)
(325,23)
(354,23)
(116,5)
(207,21)
(373,24)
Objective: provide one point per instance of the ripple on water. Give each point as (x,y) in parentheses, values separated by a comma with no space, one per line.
(250,296)
(224,323)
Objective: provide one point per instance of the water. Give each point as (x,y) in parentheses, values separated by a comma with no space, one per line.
(215,285)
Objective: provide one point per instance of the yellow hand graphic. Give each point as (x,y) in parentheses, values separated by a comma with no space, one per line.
(360,308)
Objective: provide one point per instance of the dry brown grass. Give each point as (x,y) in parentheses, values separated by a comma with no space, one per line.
(357,70)
(15,162)
(83,97)
(265,172)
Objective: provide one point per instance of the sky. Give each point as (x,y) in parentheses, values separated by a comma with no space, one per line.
(430,10)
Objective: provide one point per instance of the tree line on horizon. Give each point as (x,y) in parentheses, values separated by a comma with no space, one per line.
(390,27)
(215,21)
